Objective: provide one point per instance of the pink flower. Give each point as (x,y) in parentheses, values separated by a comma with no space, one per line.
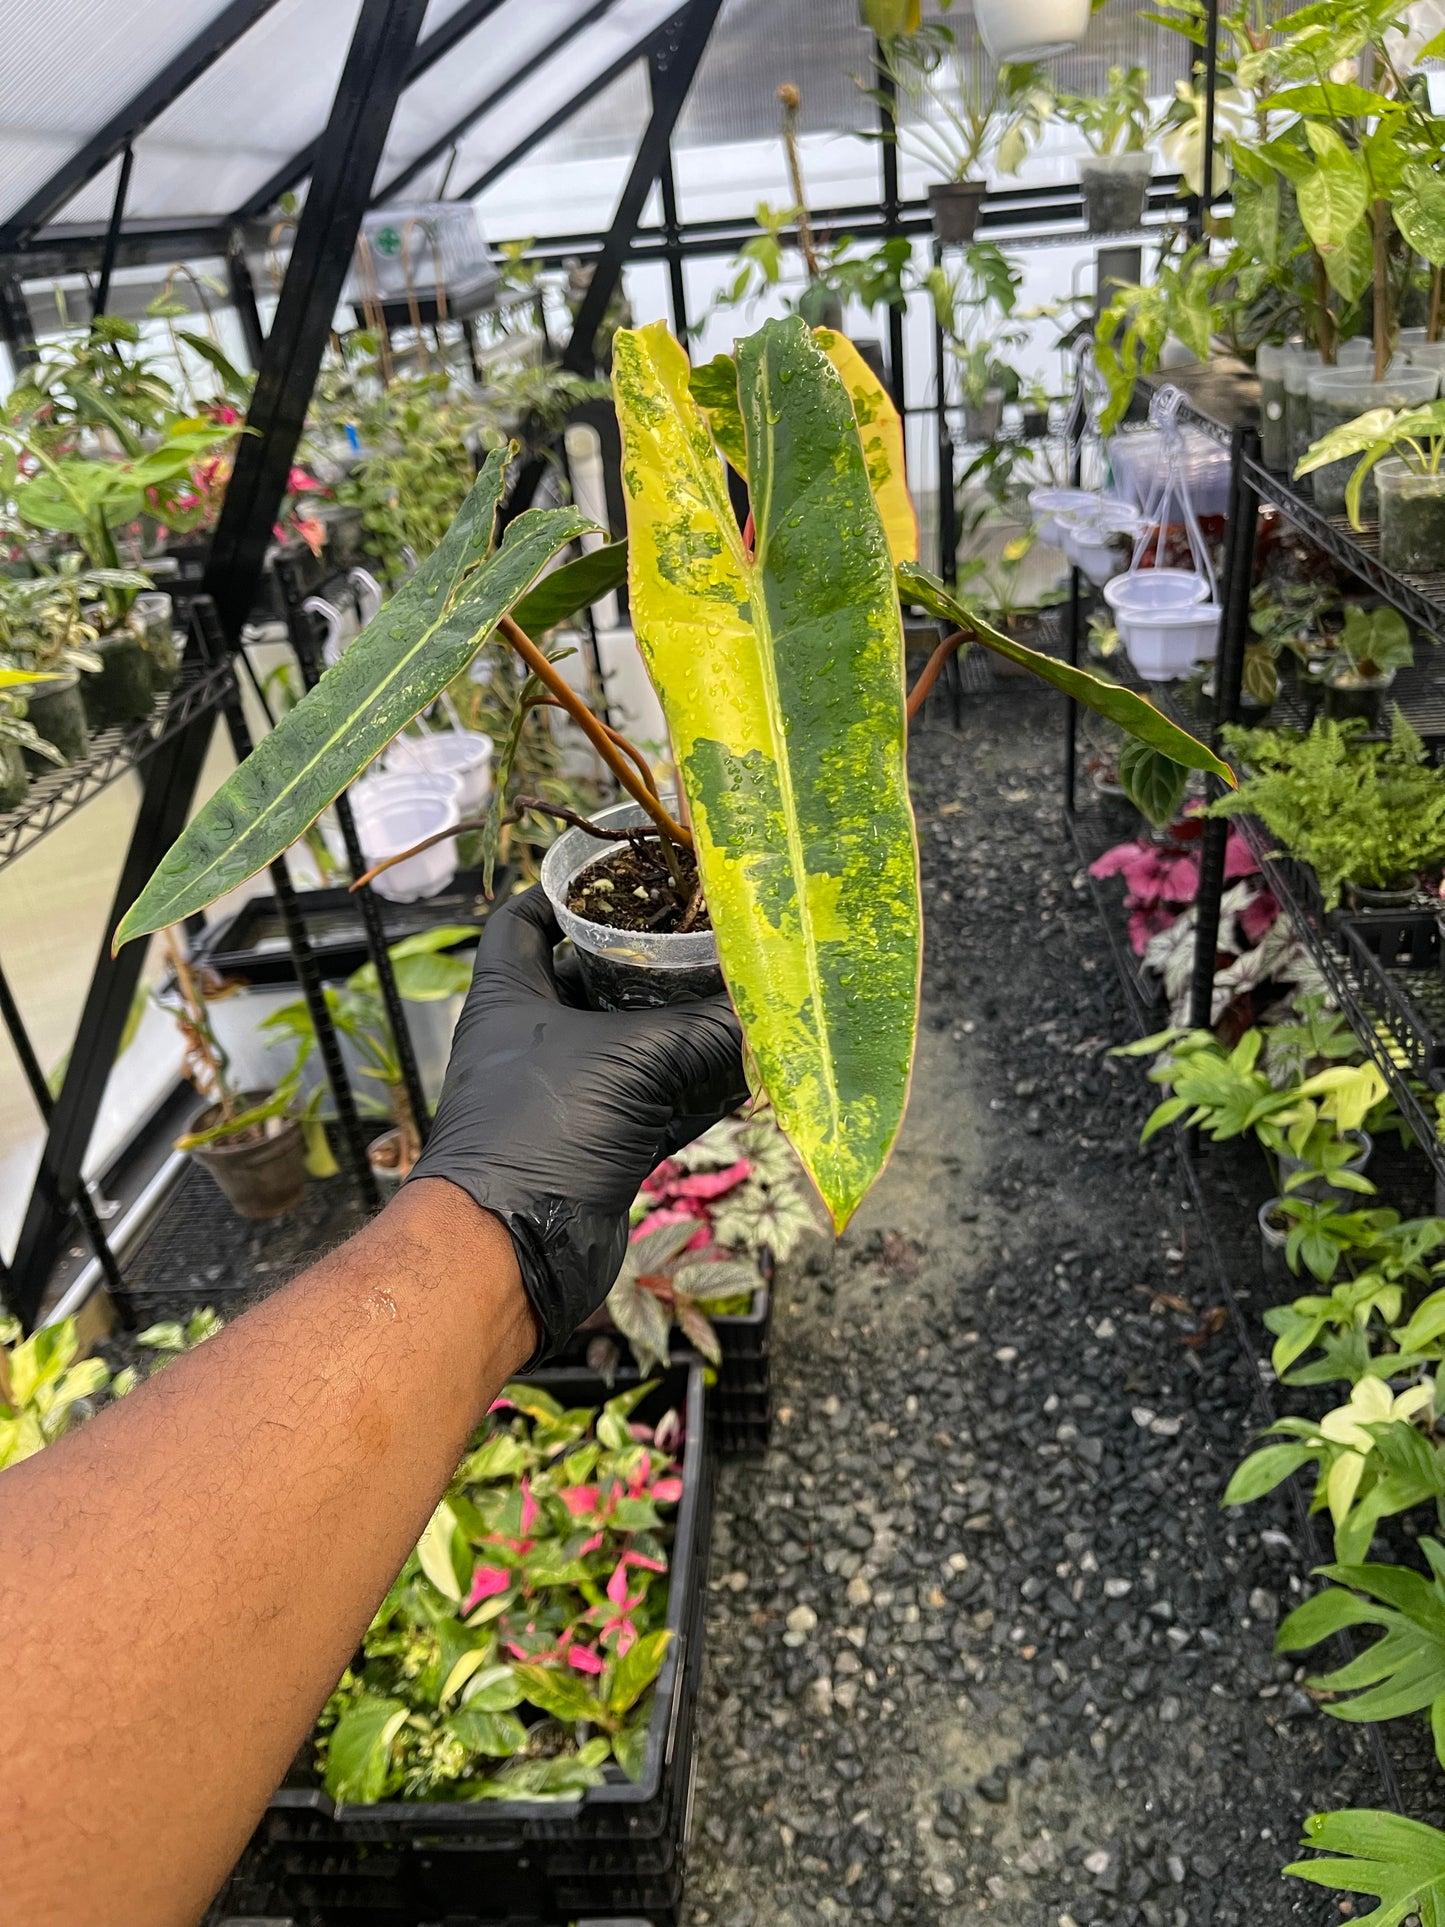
(487,1582)
(641,1559)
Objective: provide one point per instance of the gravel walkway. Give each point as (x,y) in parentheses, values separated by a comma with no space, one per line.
(981,1642)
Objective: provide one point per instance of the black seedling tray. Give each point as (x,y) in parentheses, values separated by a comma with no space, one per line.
(251,942)
(1396,958)
(618,1850)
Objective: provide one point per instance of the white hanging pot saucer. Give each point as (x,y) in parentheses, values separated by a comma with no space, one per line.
(1031,29)
(1168,643)
(1048,505)
(1150,591)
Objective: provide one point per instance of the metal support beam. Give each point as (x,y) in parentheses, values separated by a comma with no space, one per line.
(892,212)
(1211,94)
(243,298)
(139,111)
(112,233)
(458,131)
(672,236)
(16,327)
(676,56)
(598,84)
(424,57)
(346,164)
(1243,526)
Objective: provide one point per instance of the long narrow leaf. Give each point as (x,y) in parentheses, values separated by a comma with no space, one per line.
(880,429)
(576,585)
(400,662)
(781,677)
(1134,715)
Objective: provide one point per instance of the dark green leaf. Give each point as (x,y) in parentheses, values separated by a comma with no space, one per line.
(358,1754)
(1153,782)
(574,586)
(1401,1862)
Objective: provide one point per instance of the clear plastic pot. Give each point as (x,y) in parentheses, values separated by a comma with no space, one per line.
(626,969)
(59,715)
(1047,504)
(1300,362)
(392,813)
(1319,1188)
(1269,364)
(1412,517)
(1338,395)
(983,420)
(14,777)
(1351,696)
(1114,188)
(125,689)
(1036,32)
(1274,1228)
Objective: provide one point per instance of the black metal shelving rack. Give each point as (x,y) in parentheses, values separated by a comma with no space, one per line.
(1221,400)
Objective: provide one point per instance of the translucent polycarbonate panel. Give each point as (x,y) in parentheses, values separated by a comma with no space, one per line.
(242,121)
(623,29)
(486,61)
(66,70)
(570,181)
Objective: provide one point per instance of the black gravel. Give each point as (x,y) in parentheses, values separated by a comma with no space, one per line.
(1028,1673)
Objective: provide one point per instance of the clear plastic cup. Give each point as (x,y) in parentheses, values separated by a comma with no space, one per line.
(1412,517)
(1144,592)
(1269,364)
(464,753)
(626,969)
(1338,395)
(394,812)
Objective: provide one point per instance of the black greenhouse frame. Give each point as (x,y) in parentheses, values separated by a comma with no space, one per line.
(386,55)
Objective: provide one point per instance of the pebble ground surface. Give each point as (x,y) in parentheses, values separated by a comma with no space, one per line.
(981,1642)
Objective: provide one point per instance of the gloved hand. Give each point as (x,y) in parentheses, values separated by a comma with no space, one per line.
(552,1115)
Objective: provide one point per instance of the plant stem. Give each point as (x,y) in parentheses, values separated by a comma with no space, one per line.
(1437,291)
(632,834)
(932,670)
(644,768)
(1325,325)
(557,685)
(200,1024)
(788,95)
(1380,215)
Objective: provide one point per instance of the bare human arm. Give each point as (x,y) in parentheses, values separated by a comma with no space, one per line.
(186,1577)
(183,1580)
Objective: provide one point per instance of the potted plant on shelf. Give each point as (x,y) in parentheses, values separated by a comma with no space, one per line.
(1404,450)
(988,116)
(1115,123)
(44,633)
(19,738)
(1372,645)
(800,834)
(425,973)
(1368,817)
(251,1142)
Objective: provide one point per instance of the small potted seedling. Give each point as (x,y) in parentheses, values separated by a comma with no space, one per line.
(966,115)
(1404,450)
(250,1142)
(1115,177)
(19,738)
(1373,644)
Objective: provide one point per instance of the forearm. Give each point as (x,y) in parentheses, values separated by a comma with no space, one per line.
(207,1555)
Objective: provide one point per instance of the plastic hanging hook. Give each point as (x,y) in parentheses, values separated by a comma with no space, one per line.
(1172,500)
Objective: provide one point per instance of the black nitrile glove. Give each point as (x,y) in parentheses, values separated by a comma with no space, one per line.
(552,1115)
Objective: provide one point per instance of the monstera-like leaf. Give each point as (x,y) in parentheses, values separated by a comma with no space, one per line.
(780,671)
(401,661)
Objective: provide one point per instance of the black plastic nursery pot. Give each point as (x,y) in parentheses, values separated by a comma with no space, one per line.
(955,207)
(1114,187)
(618,1850)
(124,691)
(262,1179)
(1350,697)
(58,714)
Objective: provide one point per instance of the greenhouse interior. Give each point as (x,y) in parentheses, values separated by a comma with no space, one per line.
(722,959)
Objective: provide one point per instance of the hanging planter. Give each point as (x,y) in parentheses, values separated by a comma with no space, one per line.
(1040,30)
(955,207)
(463,753)
(393,812)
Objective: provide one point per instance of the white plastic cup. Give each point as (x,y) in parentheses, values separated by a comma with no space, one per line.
(464,753)
(1170,643)
(392,813)
(1146,592)
(1048,504)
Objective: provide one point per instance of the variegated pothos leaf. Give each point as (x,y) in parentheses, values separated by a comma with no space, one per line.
(781,676)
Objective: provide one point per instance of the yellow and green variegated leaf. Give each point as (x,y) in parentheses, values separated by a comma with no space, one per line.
(1136,716)
(881,432)
(714,387)
(781,675)
(401,661)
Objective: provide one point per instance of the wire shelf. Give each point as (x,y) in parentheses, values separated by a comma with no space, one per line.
(52,796)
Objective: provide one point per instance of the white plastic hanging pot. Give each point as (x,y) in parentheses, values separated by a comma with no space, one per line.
(1031,29)
(1144,592)
(465,753)
(394,811)
(1169,643)
(1048,504)
(1090,534)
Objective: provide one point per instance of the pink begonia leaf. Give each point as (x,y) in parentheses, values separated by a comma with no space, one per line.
(617,1588)
(1114,862)
(666,1491)
(530,1508)
(590,1545)
(642,1433)
(1261,913)
(713,1184)
(579,1499)
(657,1183)
(1144,924)
(1180,881)
(641,1559)
(584,1659)
(1238,859)
(669,1214)
(487,1582)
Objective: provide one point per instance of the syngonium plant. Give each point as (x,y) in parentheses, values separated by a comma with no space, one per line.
(777,653)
